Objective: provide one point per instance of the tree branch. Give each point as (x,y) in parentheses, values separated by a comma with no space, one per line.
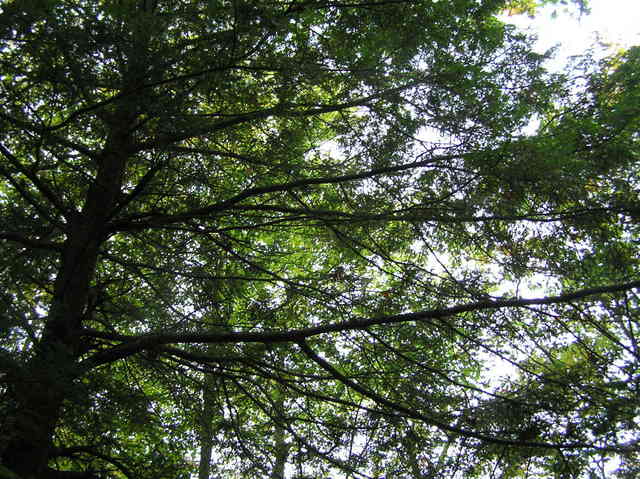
(410,413)
(91,451)
(44,131)
(281,110)
(26,195)
(37,182)
(30,242)
(134,344)
(142,221)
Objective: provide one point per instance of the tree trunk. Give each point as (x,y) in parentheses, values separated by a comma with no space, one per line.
(280,444)
(40,390)
(281,449)
(206,429)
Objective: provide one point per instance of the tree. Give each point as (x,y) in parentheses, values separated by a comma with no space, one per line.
(321,218)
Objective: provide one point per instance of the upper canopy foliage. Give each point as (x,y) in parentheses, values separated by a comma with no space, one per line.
(312,237)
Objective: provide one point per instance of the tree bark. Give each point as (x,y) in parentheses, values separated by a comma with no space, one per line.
(280,445)
(206,429)
(281,449)
(38,395)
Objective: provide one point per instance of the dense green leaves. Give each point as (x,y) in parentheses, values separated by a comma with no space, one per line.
(259,239)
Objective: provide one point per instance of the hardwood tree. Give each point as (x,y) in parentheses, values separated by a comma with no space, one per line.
(313,238)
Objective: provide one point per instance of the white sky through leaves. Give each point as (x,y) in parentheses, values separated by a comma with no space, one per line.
(612,22)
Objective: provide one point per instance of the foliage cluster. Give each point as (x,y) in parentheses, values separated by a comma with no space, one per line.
(307,238)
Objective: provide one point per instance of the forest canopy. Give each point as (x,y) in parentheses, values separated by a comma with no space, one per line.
(313,239)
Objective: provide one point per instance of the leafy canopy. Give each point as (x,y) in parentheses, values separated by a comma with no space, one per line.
(299,239)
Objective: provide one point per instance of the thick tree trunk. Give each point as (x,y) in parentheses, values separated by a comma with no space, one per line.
(39,392)
(37,403)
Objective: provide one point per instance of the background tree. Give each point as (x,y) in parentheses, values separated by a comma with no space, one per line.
(323,216)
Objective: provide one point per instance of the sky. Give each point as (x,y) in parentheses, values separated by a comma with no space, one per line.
(615,21)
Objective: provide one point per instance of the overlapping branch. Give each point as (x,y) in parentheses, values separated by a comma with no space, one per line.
(130,345)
